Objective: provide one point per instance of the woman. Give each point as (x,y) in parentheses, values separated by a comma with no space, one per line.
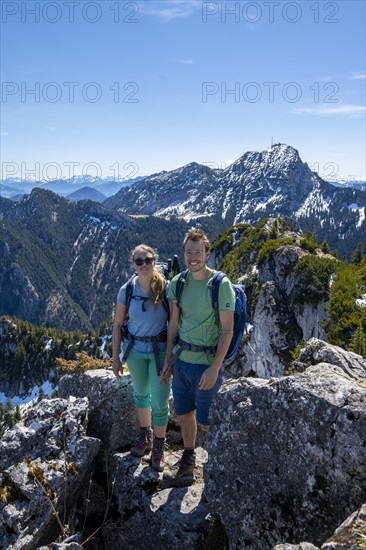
(142,302)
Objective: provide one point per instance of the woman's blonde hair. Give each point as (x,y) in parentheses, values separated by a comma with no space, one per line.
(158,281)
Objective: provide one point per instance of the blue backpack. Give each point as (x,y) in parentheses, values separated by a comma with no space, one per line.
(240,311)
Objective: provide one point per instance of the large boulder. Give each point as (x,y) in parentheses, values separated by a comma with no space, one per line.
(287,457)
(112,416)
(152,511)
(44,462)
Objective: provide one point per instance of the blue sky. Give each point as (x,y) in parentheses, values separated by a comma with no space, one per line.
(130,88)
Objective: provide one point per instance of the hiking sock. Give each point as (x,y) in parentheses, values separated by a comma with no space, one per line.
(188,450)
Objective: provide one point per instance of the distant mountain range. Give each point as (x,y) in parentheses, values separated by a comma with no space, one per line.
(350,181)
(14,189)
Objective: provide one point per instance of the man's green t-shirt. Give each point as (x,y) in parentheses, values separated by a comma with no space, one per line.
(197,324)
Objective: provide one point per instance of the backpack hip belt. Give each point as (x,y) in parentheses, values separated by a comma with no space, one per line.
(186,346)
(154,340)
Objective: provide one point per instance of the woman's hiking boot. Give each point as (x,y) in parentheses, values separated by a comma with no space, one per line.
(157,454)
(142,443)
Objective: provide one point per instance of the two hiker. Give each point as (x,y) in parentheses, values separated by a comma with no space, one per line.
(202,344)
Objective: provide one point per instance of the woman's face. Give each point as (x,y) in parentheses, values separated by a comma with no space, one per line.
(143,261)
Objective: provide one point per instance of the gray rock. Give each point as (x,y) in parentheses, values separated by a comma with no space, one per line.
(153,514)
(317,351)
(348,535)
(288,310)
(70,543)
(112,416)
(276,333)
(301,546)
(44,462)
(287,461)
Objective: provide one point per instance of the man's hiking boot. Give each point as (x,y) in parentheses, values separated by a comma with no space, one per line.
(142,443)
(157,454)
(182,473)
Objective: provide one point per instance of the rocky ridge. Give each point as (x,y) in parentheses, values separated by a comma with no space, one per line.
(285,463)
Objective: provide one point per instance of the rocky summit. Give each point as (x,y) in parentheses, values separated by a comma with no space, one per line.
(283,466)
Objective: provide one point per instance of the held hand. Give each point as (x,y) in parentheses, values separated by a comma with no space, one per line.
(208,378)
(166,373)
(117,367)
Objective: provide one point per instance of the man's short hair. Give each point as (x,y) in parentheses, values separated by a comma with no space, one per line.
(196,234)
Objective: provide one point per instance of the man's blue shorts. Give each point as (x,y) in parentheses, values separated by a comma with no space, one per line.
(187,397)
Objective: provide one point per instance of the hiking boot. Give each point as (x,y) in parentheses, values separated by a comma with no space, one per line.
(157,454)
(182,473)
(142,443)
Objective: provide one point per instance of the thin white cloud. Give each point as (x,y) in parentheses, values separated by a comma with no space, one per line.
(51,128)
(351,111)
(358,76)
(167,10)
(187,61)
(3,134)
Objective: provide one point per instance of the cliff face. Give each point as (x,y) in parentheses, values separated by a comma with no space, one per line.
(284,463)
(287,280)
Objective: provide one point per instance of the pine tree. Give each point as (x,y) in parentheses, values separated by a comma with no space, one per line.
(357,255)
(20,356)
(325,247)
(358,342)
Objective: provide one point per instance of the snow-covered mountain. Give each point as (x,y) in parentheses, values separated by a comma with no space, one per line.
(274,181)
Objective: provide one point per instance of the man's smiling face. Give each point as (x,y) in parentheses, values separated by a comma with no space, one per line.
(195,255)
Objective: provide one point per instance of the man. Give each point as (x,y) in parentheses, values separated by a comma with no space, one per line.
(197,371)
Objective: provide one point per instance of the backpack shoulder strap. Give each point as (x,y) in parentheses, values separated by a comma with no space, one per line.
(181,282)
(166,301)
(215,287)
(129,291)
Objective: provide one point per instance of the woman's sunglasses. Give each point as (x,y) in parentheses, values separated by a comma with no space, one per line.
(140,261)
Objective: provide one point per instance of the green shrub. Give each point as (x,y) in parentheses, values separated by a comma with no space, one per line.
(344,318)
(316,271)
(308,245)
(271,246)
